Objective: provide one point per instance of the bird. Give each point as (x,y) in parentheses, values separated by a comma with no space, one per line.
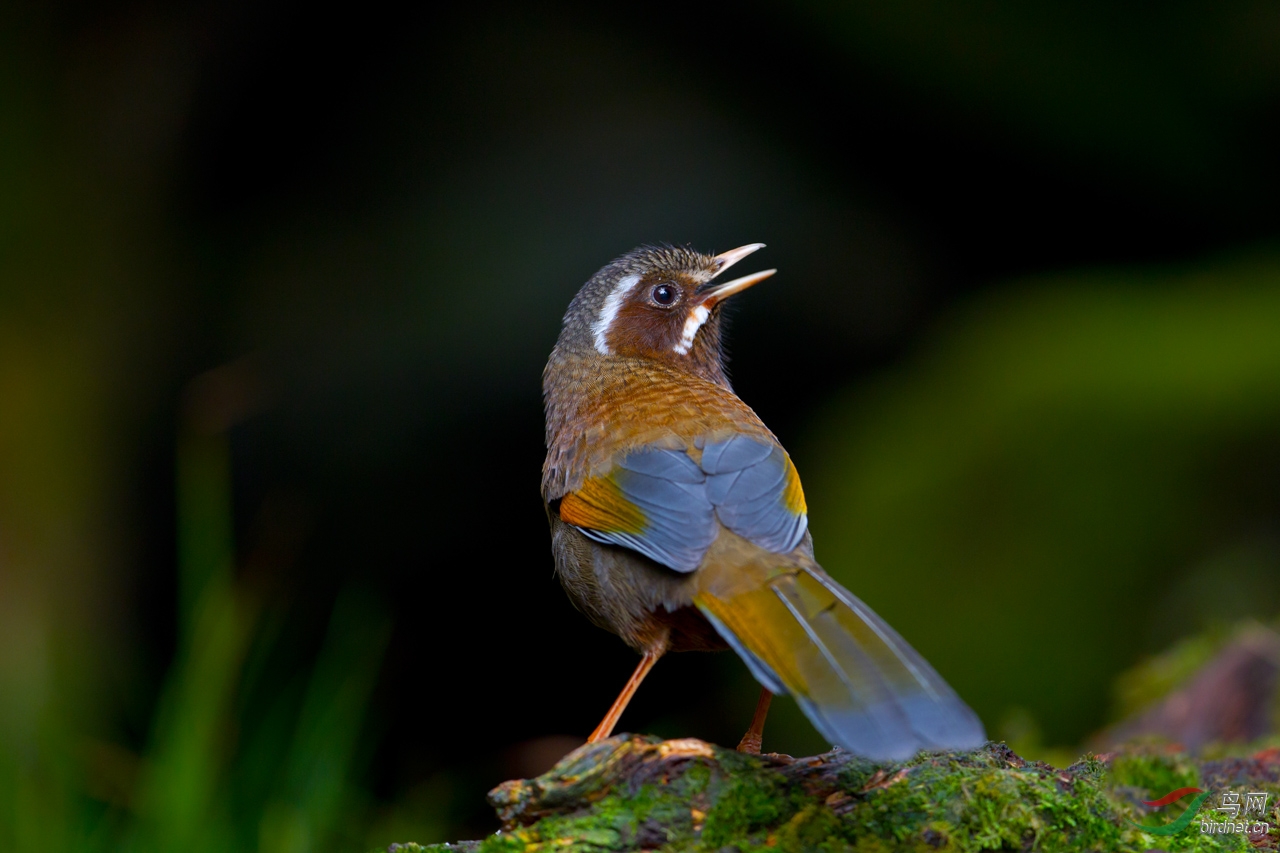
(678,520)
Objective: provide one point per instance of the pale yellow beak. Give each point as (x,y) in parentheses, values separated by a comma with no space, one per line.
(710,293)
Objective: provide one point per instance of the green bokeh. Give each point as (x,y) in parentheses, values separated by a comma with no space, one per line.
(1024,499)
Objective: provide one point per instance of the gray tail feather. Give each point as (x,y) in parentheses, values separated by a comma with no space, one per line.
(860,684)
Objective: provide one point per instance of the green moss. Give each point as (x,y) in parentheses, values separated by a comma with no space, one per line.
(752,799)
(1146,772)
(813,828)
(979,802)
(858,772)
(1152,771)
(682,799)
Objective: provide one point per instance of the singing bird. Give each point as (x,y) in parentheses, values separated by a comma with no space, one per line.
(679,524)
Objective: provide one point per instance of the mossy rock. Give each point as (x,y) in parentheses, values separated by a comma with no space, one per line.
(634,792)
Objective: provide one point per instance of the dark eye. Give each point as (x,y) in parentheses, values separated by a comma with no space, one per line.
(664,294)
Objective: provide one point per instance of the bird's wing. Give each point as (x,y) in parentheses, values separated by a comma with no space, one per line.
(653,501)
(665,501)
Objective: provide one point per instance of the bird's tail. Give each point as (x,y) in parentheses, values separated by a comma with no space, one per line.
(857,681)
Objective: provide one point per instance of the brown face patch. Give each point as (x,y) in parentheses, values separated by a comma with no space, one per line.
(643,326)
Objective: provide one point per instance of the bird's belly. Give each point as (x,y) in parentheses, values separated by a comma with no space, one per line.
(622,591)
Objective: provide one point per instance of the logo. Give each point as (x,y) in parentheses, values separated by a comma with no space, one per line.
(1254,803)
(1234,805)
(1182,822)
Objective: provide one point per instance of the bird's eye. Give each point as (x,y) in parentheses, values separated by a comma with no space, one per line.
(664,294)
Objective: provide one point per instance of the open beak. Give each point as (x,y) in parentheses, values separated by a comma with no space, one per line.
(710,293)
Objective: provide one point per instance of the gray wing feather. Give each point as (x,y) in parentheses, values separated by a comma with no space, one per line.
(746,480)
(671,490)
(740,480)
(665,463)
(733,454)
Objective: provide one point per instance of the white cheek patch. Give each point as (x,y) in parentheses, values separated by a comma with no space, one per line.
(609,311)
(697,317)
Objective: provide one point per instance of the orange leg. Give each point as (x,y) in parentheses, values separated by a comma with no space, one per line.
(619,705)
(751,741)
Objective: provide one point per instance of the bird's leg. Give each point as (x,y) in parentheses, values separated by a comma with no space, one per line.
(751,741)
(619,705)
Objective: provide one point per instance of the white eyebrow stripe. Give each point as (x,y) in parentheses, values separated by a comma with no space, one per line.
(692,324)
(612,304)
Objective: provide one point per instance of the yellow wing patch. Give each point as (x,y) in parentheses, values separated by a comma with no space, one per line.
(600,505)
(793,494)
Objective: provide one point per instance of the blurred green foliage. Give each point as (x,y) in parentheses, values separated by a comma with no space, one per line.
(215,776)
(1046,469)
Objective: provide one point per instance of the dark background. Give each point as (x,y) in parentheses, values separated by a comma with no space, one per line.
(277,282)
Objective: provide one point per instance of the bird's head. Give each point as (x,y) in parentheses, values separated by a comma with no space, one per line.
(658,303)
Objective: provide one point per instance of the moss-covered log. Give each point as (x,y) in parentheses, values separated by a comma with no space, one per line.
(634,792)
